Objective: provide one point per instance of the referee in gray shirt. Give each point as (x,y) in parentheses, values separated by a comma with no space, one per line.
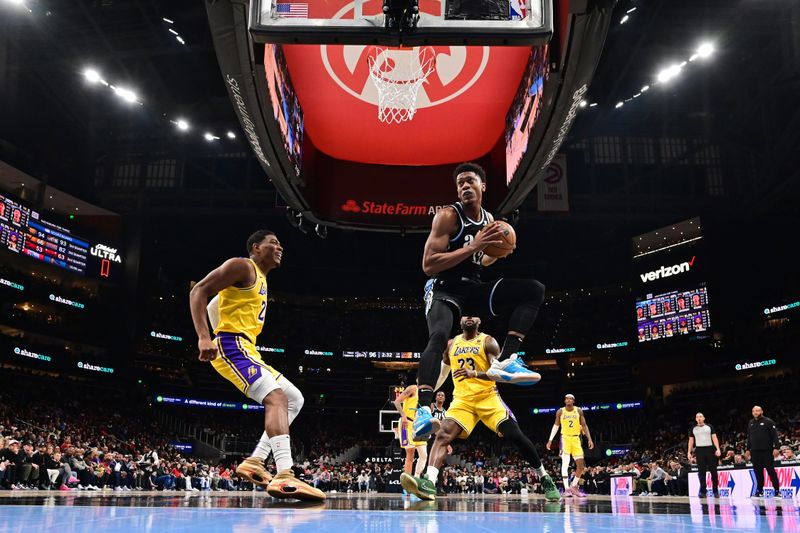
(703,439)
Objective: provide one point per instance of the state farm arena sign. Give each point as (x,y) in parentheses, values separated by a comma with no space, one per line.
(390,209)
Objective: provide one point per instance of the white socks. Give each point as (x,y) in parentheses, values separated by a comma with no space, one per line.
(282,451)
(295,403)
(263,449)
(565,480)
(541,472)
(433,474)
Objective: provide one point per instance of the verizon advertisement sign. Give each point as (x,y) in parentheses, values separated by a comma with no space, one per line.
(667,271)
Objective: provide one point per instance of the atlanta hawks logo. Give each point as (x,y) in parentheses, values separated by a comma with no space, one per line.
(456,68)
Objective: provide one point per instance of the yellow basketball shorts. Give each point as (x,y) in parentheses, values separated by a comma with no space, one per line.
(571,445)
(467,412)
(406,432)
(239,362)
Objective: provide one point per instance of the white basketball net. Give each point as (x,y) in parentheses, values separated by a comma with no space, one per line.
(398,75)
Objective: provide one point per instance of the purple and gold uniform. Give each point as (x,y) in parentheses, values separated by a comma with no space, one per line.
(237,316)
(475,400)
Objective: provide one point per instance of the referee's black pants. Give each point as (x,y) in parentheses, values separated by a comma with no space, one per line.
(762,459)
(706,462)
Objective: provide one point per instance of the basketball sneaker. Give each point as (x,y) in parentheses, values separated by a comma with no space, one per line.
(421,487)
(425,424)
(551,493)
(577,492)
(285,485)
(514,371)
(252,469)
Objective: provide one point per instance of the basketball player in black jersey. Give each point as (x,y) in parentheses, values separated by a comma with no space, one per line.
(453,258)
(437,407)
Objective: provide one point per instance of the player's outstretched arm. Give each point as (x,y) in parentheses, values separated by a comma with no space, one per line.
(436,258)
(231,272)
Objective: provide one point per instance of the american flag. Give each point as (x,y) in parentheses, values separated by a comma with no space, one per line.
(292,10)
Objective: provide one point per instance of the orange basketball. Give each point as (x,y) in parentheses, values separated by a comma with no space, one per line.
(509,238)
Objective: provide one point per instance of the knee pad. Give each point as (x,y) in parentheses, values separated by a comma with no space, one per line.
(294,397)
(536,292)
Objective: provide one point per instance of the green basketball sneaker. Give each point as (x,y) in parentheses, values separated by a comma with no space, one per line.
(551,493)
(421,487)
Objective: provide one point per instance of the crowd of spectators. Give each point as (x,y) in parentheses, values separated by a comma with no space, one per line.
(63,443)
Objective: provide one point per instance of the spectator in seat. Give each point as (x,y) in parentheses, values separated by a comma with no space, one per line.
(164,479)
(786,454)
(29,476)
(12,459)
(58,472)
(602,480)
(678,484)
(657,481)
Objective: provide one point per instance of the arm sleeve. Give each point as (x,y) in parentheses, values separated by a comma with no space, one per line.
(553,432)
(713,432)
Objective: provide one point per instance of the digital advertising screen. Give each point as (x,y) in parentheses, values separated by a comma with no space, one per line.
(285,105)
(525,110)
(380,355)
(23,231)
(673,314)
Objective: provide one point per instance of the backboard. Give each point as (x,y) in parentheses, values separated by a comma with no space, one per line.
(444,22)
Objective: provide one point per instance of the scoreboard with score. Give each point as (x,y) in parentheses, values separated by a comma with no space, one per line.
(24,232)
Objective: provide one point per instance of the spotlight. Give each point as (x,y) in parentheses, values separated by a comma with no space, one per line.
(126,94)
(91,75)
(181,124)
(669,73)
(321,231)
(645,88)
(583,103)
(705,50)
(231,135)
(619,104)
(209,137)
(624,19)
(168,21)
(180,39)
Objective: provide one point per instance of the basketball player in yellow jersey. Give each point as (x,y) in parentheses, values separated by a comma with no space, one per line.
(475,399)
(406,404)
(237,312)
(572,423)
